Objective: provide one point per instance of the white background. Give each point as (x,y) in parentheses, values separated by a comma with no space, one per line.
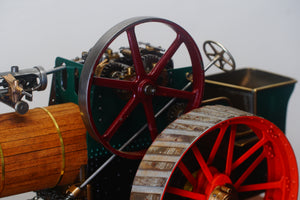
(264,34)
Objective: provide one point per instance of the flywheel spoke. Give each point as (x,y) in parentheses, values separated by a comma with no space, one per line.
(113,83)
(156,71)
(128,108)
(135,52)
(148,107)
(171,92)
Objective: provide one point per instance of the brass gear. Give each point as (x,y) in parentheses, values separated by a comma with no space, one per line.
(115,70)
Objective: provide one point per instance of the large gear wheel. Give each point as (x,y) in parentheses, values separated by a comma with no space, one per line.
(114,70)
(143,88)
(195,157)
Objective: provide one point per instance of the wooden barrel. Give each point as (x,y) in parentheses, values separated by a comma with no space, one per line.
(42,149)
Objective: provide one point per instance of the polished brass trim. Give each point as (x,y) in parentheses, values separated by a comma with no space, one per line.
(276,85)
(228,85)
(251,89)
(63,164)
(217,99)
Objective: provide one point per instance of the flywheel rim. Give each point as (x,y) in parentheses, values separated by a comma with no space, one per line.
(161,173)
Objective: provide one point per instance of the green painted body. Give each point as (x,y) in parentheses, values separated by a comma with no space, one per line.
(107,103)
(270,103)
(259,92)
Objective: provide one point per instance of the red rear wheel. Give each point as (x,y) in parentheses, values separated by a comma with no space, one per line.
(143,87)
(199,156)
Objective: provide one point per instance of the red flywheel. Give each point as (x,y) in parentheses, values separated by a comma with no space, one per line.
(143,87)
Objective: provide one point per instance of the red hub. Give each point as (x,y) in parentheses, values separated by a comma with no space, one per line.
(218,181)
(146,88)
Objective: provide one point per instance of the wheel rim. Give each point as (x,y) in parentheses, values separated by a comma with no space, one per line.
(144,87)
(213,49)
(198,170)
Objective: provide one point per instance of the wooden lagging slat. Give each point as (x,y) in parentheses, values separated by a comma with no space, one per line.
(168,148)
(32,148)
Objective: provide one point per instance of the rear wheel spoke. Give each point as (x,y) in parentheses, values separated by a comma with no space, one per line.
(182,151)
(262,186)
(250,169)
(189,176)
(250,152)
(187,194)
(216,145)
(202,163)
(230,150)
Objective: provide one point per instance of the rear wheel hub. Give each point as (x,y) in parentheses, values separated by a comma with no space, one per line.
(224,192)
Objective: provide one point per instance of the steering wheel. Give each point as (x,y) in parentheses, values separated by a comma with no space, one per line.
(219,55)
(143,87)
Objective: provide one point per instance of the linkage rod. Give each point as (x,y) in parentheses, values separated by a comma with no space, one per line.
(62,67)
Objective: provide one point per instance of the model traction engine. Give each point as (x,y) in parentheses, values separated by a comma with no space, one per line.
(153,132)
